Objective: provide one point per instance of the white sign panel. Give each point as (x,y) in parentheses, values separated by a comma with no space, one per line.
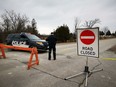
(88,42)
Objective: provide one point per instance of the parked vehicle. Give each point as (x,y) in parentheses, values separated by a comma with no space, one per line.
(26,40)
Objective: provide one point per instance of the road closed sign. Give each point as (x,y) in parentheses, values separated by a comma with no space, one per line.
(88,42)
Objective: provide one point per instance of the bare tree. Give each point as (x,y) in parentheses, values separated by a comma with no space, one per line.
(91,23)
(1,35)
(76,22)
(13,21)
(105,30)
(76,25)
(34,26)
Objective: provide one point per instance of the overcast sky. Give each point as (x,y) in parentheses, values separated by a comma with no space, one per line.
(49,14)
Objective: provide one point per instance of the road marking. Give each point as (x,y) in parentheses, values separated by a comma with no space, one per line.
(109,58)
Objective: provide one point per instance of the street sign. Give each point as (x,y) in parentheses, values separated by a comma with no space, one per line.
(87,37)
(88,42)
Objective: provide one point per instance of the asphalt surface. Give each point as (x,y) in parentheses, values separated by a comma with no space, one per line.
(14,73)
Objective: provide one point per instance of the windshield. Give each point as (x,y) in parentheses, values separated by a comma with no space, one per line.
(33,37)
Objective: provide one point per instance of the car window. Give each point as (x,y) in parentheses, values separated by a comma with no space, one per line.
(9,36)
(33,37)
(16,37)
(23,38)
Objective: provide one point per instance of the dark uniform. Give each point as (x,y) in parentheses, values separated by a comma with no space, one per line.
(52,46)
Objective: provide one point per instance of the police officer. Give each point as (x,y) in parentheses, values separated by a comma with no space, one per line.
(52,45)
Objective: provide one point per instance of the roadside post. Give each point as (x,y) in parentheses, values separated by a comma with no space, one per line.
(88,46)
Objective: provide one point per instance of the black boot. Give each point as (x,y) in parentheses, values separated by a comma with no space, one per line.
(49,58)
(54,55)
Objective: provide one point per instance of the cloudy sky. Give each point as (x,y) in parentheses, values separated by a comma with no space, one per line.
(49,14)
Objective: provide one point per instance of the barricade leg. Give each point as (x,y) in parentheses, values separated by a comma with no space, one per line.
(34,52)
(37,58)
(30,61)
(3,53)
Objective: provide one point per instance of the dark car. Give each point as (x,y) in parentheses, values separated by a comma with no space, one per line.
(26,40)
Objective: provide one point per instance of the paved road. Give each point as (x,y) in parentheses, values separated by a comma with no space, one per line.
(13,72)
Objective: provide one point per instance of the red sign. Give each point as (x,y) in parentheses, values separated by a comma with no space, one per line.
(87,37)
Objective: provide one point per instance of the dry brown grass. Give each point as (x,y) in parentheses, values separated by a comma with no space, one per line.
(113,49)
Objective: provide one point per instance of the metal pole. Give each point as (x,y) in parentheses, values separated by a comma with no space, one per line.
(87,62)
(86,67)
(86,72)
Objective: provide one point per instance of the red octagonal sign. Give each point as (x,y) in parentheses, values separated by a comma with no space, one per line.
(87,37)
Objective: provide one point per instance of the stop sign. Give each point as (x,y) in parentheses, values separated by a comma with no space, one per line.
(87,37)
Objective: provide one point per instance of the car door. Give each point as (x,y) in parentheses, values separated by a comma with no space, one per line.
(24,41)
(15,40)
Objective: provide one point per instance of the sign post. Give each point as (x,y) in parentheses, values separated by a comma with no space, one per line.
(87,45)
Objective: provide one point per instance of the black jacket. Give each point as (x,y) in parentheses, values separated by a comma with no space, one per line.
(51,40)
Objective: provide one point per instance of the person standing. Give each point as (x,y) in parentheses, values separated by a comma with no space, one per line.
(52,45)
